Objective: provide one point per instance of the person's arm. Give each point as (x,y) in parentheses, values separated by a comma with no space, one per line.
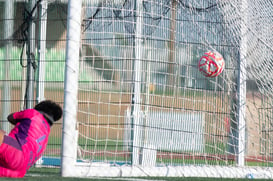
(11,119)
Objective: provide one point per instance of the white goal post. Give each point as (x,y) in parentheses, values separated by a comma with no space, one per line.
(147,110)
(69,144)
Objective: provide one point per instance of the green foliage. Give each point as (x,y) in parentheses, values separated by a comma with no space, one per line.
(54,62)
(14,64)
(55,65)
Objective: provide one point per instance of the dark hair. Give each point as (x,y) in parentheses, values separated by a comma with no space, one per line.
(51,109)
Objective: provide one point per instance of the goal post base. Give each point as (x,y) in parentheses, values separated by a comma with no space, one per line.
(108,170)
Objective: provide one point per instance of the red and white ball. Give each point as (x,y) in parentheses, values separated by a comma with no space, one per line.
(211,64)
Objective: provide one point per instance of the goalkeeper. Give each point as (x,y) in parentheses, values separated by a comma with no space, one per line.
(26,142)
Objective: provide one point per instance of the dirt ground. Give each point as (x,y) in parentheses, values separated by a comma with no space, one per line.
(102,115)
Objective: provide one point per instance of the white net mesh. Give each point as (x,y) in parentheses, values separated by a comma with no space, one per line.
(143,101)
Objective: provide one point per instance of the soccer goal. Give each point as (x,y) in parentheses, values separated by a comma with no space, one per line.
(148,111)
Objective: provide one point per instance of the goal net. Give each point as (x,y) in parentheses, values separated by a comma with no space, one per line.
(142,108)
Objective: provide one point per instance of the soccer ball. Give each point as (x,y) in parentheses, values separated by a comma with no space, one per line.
(211,64)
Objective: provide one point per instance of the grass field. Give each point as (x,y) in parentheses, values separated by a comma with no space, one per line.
(53,174)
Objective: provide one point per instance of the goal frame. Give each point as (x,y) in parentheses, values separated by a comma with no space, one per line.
(72,168)
(69,134)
